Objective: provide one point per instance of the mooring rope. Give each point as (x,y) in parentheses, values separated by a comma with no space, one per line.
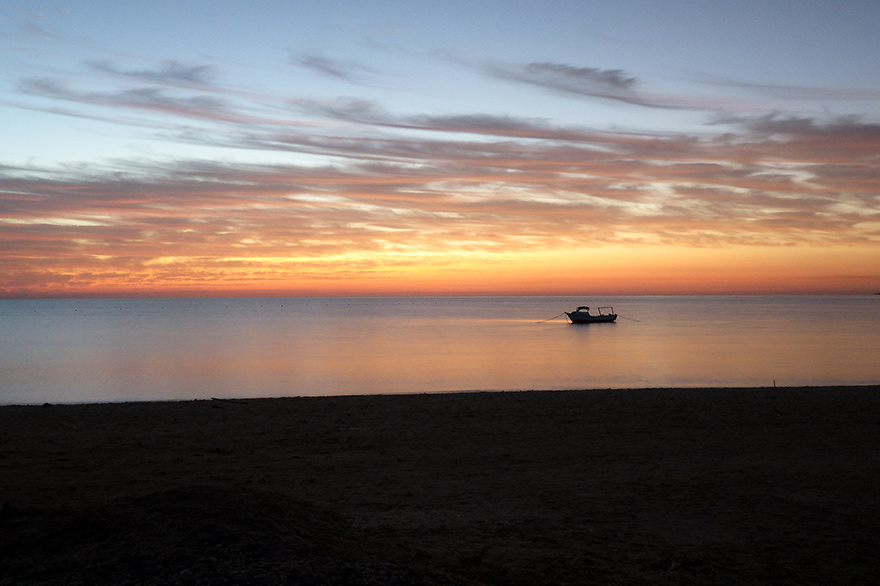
(629,318)
(551,318)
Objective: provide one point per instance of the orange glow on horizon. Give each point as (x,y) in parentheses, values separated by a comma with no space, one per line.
(610,270)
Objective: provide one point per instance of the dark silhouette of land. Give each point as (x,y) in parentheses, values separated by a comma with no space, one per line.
(687,486)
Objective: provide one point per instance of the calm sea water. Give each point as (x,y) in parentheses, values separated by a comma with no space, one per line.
(157,349)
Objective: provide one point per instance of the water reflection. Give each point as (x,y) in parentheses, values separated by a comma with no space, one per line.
(75,350)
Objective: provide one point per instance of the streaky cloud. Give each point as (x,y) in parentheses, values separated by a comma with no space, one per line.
(844,140)
(790,125)
(370,114)
(797,92)
(144,98)
(170,73)
(334,68)
(611,84)
(348,109)
(576,78)
(590,82)
(431,185)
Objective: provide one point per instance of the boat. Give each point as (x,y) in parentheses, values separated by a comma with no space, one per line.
(582,315)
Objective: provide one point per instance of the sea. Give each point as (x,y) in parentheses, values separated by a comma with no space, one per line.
(109,350)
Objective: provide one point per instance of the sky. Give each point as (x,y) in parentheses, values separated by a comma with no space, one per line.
(277,147)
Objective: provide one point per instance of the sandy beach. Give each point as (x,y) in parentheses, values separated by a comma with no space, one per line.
(688,486)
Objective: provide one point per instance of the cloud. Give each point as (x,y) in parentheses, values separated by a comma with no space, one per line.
(592,82)
(612,84)
(349,109)
(421,200)
(424,187)
(201,106)
(440,194)
(334,68)
(370,114)
(170,73)
(846,140)
(795,92)
(800,126)
(581,80)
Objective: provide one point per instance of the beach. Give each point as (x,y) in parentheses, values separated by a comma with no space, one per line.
(644,486)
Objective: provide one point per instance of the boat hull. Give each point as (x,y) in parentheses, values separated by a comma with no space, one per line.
(580,317)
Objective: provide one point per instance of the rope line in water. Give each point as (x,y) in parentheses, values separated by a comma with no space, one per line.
(629,318)
(550,318)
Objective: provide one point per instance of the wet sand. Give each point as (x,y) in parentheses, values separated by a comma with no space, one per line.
(690,486)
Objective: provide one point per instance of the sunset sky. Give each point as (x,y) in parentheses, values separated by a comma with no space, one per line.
(276,147)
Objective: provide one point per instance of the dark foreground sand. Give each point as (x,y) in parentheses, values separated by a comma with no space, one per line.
(720,486)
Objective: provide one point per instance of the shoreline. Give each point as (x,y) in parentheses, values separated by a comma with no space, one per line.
(238,398)
(618,486)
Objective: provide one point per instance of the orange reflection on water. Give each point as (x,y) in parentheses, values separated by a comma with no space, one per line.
(197,348)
